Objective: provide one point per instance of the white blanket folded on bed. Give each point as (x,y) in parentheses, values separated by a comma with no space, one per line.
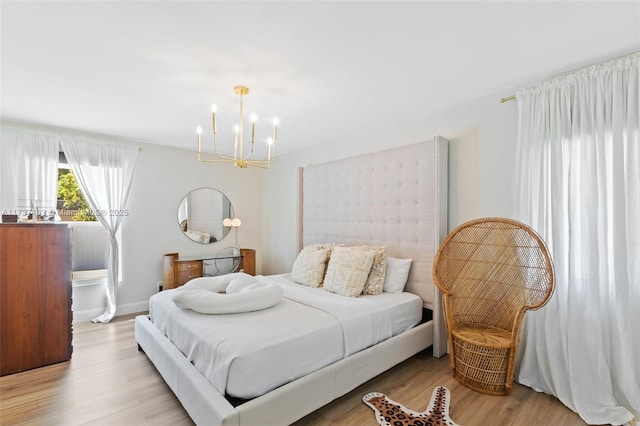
(244,293)
(361,327)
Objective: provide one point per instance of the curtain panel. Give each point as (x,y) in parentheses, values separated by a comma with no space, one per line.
(28,171)
(104,173)
(578,160)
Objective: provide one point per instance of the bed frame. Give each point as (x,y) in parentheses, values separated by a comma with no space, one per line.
(395,197)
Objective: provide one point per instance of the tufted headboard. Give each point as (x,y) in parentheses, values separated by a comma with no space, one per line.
(396,198)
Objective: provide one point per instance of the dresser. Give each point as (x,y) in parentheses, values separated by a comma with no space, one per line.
(35,296)
(177,270)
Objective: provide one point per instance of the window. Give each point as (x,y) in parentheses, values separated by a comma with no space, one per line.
(72,206)
(89,239)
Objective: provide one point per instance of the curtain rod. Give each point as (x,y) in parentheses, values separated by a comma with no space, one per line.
(563,74)
(61,131)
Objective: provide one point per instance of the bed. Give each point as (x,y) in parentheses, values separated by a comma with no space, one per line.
(395,199)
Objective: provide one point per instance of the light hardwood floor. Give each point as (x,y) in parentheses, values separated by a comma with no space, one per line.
(108,382)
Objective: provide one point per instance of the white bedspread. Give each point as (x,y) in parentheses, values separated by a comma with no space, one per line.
(248,354)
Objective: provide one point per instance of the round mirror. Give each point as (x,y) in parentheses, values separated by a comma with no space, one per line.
(201,213)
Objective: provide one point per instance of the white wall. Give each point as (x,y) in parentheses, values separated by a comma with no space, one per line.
(482,136)
(162,177)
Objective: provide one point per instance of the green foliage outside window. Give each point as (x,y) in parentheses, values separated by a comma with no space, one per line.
(70,194)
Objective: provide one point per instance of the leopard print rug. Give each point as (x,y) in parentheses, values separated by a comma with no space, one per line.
(391,413)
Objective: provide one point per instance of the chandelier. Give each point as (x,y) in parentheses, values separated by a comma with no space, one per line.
(240,159)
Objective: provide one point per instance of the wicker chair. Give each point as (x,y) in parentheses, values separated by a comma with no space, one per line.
(490,271)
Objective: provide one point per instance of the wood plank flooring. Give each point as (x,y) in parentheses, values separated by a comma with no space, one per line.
(108,382)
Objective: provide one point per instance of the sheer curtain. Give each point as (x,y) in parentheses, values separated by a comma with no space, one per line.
(579,187)
(29,170)
(104,172)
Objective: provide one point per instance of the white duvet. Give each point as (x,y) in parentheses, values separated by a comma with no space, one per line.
(248,354)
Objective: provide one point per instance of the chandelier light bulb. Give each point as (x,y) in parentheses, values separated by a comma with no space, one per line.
(199,130)
(276,121)
(214,108)
(236,128)
(254,118)
(270,141)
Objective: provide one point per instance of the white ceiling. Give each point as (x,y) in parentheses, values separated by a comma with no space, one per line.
(331,71)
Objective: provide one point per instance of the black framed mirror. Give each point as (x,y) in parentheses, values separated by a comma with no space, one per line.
(200,215)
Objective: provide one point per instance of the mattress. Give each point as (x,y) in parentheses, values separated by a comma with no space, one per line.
(248,354)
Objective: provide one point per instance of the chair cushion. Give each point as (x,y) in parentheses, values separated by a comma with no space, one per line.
(482,335)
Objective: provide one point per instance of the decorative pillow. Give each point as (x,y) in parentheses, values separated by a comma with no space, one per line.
(348,270)
(197,236)
(242,280)
(309,267)
(375,280)
(328,246)
(325,246)
(253,297)
(218,283)
(397,274)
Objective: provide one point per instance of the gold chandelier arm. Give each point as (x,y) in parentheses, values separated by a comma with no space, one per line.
(264,164)
(214,160)
(221,158)
(272,152)
(215,150)
(259,163)
(249,154)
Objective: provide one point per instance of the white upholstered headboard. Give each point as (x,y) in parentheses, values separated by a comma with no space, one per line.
(396,198)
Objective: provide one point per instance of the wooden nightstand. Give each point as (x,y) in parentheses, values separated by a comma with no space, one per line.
(248,261)
(176,271)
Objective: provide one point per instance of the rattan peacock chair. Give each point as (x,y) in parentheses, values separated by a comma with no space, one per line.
(490,271)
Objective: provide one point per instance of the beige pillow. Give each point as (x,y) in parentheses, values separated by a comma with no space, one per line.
(325,246)
(348,270)
(328,246)
(375,280)
(309,267)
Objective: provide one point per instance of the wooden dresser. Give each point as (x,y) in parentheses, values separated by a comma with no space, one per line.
(35,296)
(176,271)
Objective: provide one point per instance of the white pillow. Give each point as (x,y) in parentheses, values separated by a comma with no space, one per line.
(396,275)
(218,283)
(241,281)
(254,297)
(309,267)
(348,270)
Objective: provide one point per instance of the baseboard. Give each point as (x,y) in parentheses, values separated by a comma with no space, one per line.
(128,308)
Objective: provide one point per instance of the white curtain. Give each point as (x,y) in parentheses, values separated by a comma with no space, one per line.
(104,172)
(29,171)
(579,187)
